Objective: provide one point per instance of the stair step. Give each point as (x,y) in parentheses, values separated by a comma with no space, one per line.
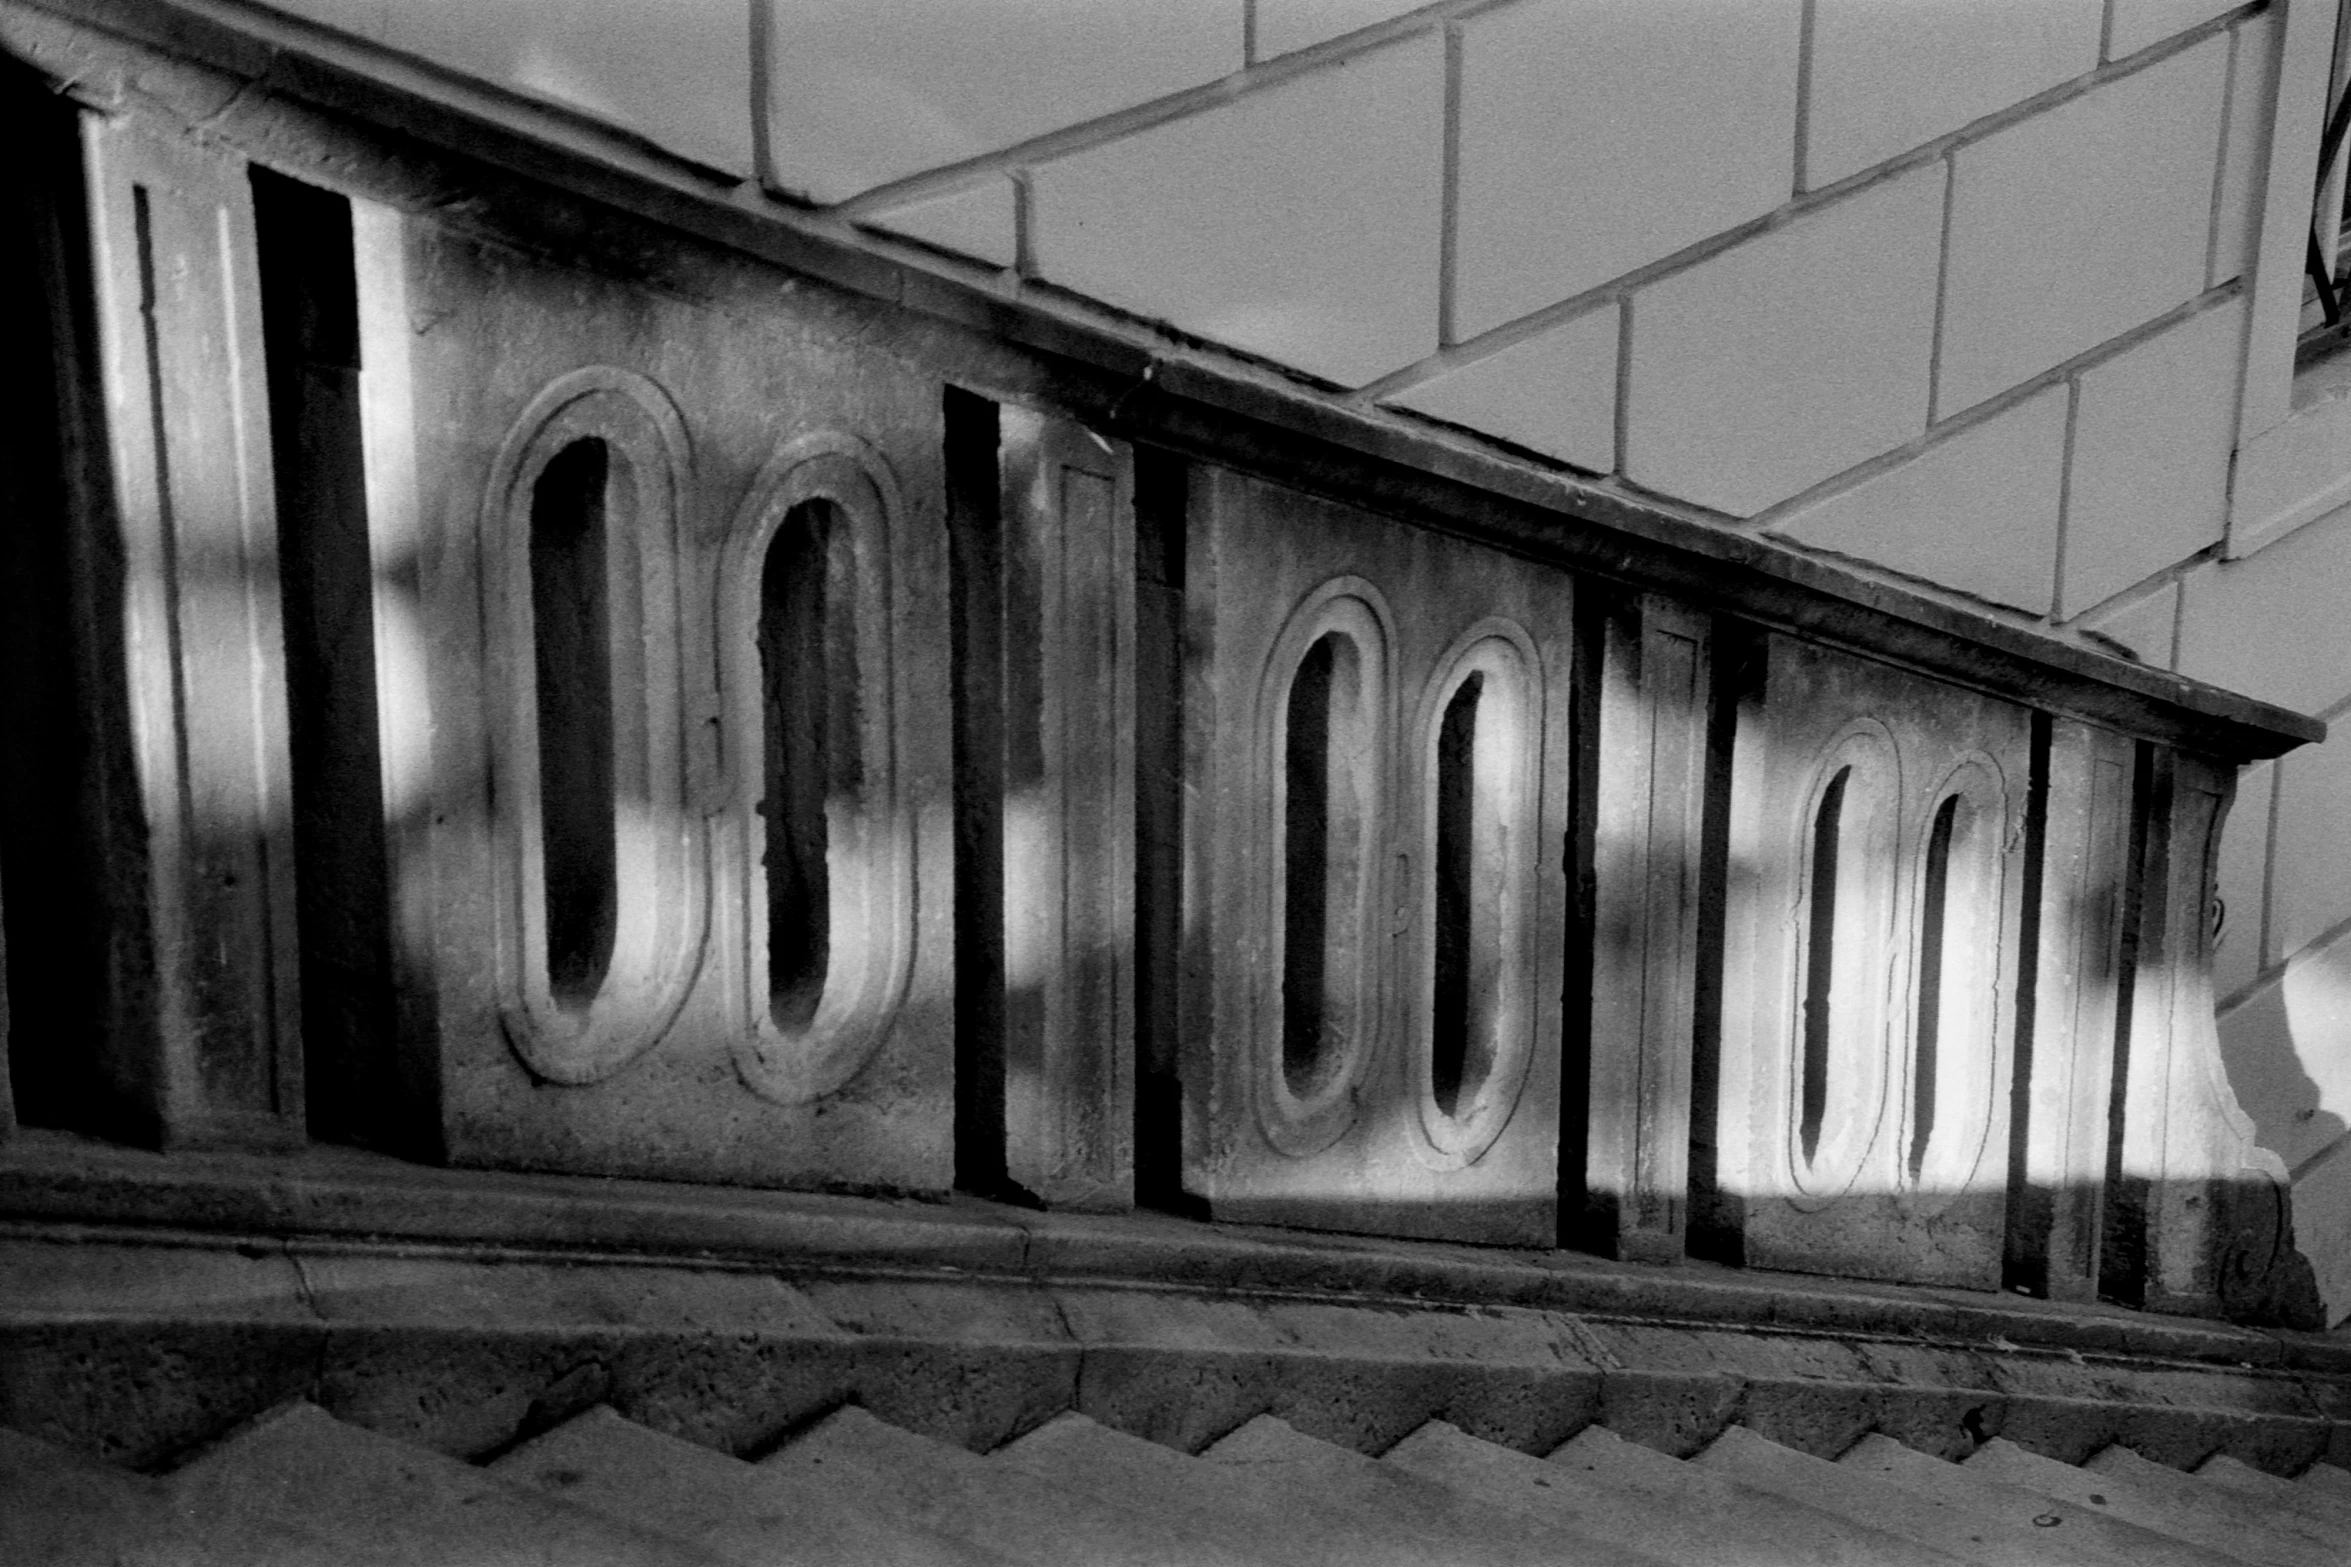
(58,1508)
(1879,1503)
(738,1511)
(1744,1520)
(1258,1517)
(1287,1459)
(2310,1510)
(372,1499)
(2327,1480)
(940,1487)
(2168,1501)
(2090,1533)
(2120,1462)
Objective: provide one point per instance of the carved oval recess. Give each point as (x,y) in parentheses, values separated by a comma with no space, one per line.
(1844,846)
(658,872)
(1491,788)
(869,824)
(1957,1057)
(1309,1055)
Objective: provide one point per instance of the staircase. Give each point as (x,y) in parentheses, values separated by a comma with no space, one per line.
(299,1486)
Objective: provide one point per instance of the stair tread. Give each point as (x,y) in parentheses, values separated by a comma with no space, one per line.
(376,1499)
(2090,1532)
(738,1511)
(57,1507)
(943,1488)
(1881,1504)
(2121,1461)
(1288,1459)
(2327,1480)
(1229,1503)
(2332,1514)
(2203,1515)
(1721,1530)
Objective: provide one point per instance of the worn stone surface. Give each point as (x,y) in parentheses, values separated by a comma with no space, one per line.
(2161,1500)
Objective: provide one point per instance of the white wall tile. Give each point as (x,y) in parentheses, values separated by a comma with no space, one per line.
(1763,370)
(1976,511)
(2310,888)
(862,92)
(1555,393)
(1597,136)
(2275,625)
(1299,223)
(2079,223)
(2151,448)
(2138,23)
(1285,25)
(981,222)
(677,74)
(1886,78)
(2245,155)
(2147,626)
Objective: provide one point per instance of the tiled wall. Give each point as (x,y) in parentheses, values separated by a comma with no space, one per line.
(1951,291)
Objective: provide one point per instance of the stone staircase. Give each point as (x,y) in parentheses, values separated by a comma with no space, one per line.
(300,1486)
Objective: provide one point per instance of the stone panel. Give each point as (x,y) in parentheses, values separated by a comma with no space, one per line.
(209,1047)
(2271,625)
(861,93)
(1828,366)
(1598,137)
(1554,393)
(2151,442)
(1282,26)
(2078,224)
(1887,78)
(1373,958)
(2311,893)
(2138,23)
(1872,940)
(2242,883)
(678,75)
(2146,627)
(1299,223)
(689,1054)
(1976,512)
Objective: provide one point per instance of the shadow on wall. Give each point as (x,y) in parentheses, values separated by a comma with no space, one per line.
(2287,1043)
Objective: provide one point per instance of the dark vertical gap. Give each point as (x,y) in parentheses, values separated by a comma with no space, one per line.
(1449,1002)
(1926,1038)
(1161,483)
(800,747)
(1717,1224)
(1583,1222)
(1820,958)
(2122,1239)
(2024,1264)
(62,722)
(310,338)
(975,553)
(1306,863)
(572,646)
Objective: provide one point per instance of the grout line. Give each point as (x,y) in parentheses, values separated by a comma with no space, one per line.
(1624,381)
(763,164)
(2106,33)
(1248,33)
(2220,159)
(1449,197)
(2073,414)
(1997,404)
(1024,223)
(2179,604)
(1942,293)
(1805,25)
